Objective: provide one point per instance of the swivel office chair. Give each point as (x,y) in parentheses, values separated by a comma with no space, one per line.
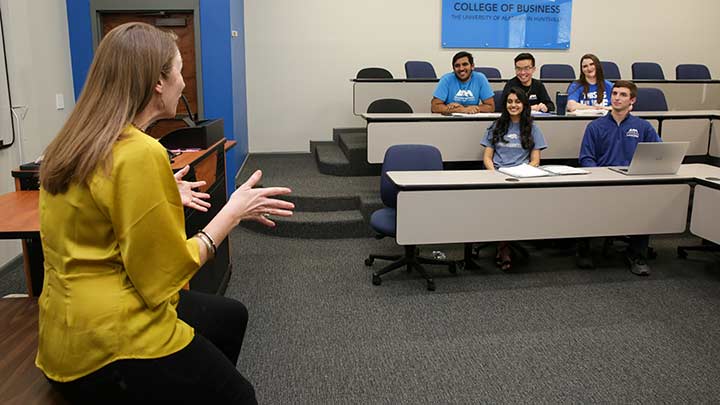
(389,105)
(650,99)
(415,69)
(610,70)
(384,220)
(706,246)
(489,72)
(692,72)
(557,71)
(498,97)
(647,71)
(374,73)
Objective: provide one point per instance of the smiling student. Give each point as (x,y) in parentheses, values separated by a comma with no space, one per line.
(611,141)
(535,90)
(463,90)
(511,140)
(591,90)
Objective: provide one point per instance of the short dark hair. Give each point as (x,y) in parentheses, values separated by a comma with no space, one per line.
(525,56)
(627,84)
(463,54)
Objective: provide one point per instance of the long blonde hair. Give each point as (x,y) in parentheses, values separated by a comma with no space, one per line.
(128,63)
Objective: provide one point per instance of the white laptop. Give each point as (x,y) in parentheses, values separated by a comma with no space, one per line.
(655,158)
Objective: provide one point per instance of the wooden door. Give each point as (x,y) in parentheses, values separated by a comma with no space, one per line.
(182,24)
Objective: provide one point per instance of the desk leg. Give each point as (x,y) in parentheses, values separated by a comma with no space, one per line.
(33,262)
(470,263)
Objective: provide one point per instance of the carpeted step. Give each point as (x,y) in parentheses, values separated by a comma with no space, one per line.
(331,160)
(354,145)
(317,225)
(370,204)
(314,203)
(354,130)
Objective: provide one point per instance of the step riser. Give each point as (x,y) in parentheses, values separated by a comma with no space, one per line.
(319,204)
(301,230)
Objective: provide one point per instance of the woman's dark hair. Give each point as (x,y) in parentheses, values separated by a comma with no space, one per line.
(501,125)
(599,77)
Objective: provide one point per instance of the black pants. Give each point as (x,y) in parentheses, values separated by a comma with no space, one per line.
(203,372)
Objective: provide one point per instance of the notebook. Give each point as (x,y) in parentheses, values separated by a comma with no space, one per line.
(655,158)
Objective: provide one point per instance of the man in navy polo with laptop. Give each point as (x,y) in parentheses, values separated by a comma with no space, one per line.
(463,90)
(611,141)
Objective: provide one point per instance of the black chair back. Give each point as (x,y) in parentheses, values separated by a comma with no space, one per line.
(374,73)
(389,105)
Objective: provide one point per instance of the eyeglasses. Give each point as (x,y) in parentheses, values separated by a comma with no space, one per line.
(524,69)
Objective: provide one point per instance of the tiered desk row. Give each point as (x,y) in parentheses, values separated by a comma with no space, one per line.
(680,94)
(458,138)
(478,205)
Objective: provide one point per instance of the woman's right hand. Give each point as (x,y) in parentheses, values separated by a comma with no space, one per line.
(248,203)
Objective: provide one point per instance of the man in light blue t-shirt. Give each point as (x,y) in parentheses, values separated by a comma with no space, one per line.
(464,90)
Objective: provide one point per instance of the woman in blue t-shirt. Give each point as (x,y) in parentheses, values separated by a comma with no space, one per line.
(591,90)
(511,140)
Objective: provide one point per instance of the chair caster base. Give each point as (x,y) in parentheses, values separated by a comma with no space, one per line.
(369,261)
(430,285)
(376,280)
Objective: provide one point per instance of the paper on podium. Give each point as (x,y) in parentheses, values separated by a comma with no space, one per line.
(523,170)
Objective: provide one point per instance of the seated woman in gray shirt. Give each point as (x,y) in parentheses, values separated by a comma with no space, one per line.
(511,140)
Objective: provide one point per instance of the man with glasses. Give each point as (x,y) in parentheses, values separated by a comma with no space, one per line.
(534,88)
(463,90)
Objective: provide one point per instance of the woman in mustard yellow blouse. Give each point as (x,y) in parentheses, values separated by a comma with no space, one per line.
(114,323)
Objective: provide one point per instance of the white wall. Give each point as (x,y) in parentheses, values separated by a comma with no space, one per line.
(38,54)
(301,54)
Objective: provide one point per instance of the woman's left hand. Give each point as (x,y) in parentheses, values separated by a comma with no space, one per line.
(191,198)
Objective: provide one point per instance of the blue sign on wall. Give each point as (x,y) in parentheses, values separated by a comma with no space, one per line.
(543,24)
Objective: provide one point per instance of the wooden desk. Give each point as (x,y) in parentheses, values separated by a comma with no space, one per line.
(458,138)
(680,94)
(20,381)
(476,206)
(21,220)
(207,164)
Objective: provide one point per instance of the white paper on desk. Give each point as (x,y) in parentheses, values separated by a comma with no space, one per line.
(589,112)
(563,170)
(523,170)
(540,113)
(492,114)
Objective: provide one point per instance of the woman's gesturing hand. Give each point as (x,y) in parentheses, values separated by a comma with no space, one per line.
(191,198)
(256,203)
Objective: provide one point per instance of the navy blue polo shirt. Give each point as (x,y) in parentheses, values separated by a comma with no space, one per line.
(606,143)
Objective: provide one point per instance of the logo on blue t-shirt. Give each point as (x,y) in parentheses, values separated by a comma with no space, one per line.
(511,141)
(633,133)
(464,95)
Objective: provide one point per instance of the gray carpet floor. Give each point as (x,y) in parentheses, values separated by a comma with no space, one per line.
(321,333)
